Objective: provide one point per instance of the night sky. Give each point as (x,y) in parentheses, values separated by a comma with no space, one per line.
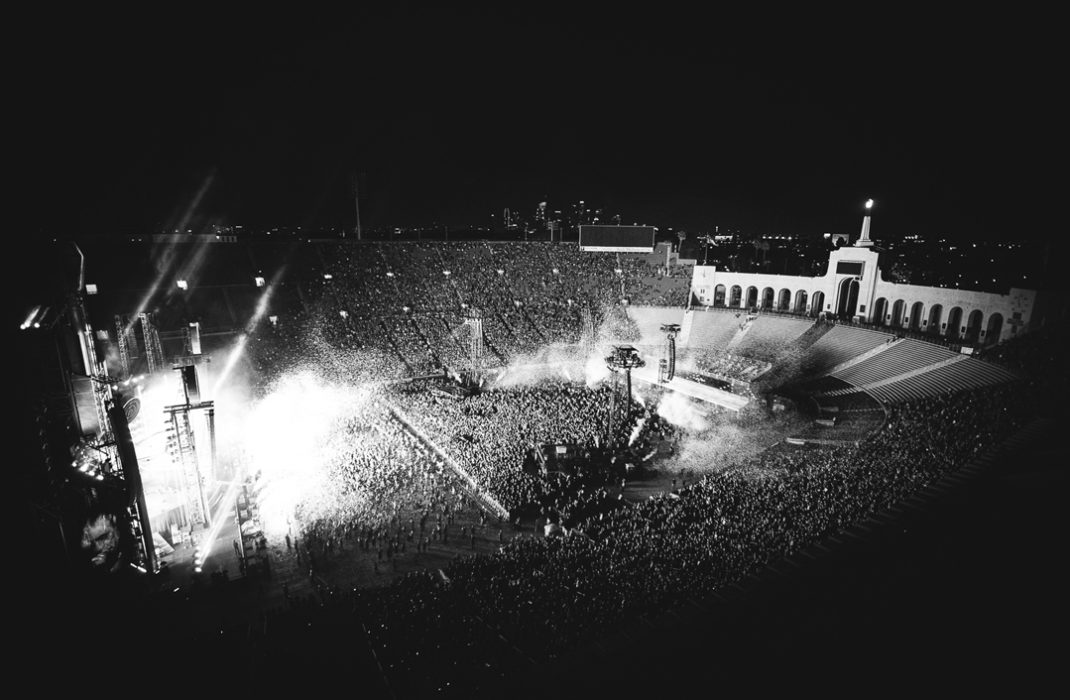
(771,123)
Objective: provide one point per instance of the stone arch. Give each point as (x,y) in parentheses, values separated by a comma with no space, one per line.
(752,297)
(817,303)
(993,329)
(847,298)
(767,298)
(936,312)
(800,301)
(880,310)
(974,325)
(899,309)
(718,295)
(735,297)
(916,311)
(954,322)
(783,302)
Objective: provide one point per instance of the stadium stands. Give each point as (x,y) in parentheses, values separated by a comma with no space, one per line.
(900,357)
(767,336)
(480,617)
(839,344)
(713,330)
(948,378)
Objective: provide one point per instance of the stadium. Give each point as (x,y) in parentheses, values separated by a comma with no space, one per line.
(482,468)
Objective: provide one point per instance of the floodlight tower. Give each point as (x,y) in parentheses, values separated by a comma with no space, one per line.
(668,362)
(625,358)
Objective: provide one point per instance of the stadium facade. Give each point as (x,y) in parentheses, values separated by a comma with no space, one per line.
(853,289)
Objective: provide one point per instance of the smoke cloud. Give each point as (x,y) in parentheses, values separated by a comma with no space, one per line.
(682,412)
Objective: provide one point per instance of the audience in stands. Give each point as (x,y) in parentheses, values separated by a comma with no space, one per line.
(480,617)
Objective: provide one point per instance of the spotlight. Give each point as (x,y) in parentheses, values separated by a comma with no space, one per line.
(182,284)
(260,281)
(91,289)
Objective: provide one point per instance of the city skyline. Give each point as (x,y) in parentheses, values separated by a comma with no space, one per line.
(448,116)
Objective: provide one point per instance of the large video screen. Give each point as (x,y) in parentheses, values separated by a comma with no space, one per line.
(617,239)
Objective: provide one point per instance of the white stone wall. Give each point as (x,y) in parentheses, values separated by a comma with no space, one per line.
(708,277)
(987,304)
(995,317)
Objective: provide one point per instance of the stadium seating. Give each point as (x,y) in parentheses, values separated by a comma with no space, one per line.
(839,344)
(947,378)
(900,357)
(713,330)
(766,337)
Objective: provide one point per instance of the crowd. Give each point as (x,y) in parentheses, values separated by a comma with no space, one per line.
(1037,356)
(492,434)
(404,299)
(728,366)
(480,618)
(537,597)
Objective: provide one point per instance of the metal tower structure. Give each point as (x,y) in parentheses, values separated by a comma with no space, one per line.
(106,457)
(122,339)
(182,445)
(153,349)
(112,439)
(624,359)
(667,366)
(183,450)
(135,491)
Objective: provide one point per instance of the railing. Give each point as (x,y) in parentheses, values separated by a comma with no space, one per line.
(474,488)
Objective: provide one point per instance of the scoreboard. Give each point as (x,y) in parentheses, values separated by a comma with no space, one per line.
(617,239)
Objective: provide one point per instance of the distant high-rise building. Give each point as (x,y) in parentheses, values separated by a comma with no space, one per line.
(540,213)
